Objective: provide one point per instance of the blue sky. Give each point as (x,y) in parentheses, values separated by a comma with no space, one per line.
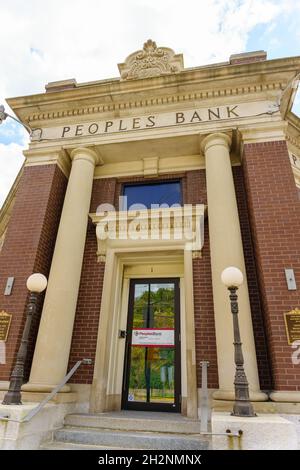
(43,41)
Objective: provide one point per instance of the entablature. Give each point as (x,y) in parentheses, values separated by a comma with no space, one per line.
(202,85)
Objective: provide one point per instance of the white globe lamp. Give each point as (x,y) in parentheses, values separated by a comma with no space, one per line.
(232,277)
(36,283)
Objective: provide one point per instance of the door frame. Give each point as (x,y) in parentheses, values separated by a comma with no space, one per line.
(141,406)
(106,389)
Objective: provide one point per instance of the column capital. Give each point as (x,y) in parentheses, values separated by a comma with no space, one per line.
(217,138)
(56,155)
(85,153)
(262,132)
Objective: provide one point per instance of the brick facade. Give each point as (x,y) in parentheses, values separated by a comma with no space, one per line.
(85,332)
(274,210)
(41,193)
(205,337)
(84,340)
(28,248)
(253,287)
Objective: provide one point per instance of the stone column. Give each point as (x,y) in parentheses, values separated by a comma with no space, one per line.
(227,250)
(52,349)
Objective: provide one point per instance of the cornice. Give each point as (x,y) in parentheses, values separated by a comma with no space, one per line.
(153,102)
(190,85)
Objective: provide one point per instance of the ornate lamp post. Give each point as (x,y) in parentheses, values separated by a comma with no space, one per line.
(36,283)
(232,278)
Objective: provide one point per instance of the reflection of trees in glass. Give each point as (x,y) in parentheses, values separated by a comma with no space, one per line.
(158,358)
(162,302)
(166,360)
(159,305)
(153,309)
(137,375)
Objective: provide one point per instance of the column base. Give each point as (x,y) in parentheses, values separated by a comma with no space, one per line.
(59,398)
(4,385)
(229,395)
(260,407)
(288,396)
(44,388)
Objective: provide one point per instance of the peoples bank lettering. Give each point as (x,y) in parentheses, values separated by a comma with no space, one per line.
(146,122)
(183,118)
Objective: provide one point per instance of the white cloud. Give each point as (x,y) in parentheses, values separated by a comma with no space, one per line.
(46,41)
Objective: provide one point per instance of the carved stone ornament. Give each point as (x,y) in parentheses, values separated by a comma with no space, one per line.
(152,61)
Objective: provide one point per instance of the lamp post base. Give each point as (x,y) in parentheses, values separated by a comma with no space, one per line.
(243,409)
(12,398)
(13,395)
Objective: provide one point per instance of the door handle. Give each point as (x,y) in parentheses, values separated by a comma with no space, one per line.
(126,354)
(122,333)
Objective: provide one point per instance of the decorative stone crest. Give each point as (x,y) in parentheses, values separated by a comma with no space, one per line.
(152,61)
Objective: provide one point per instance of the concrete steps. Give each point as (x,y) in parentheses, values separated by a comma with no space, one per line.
(73,446)
(128,440)
(128,430)
(136,421)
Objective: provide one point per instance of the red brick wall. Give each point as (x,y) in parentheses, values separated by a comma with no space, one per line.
(31,237)
(89,301)
(28,248)
(205,336)
(254,293)
(85,332)
(275,222)
(203,296)
(84,340)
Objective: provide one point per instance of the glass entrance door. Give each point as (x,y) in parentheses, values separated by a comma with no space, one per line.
(152,357)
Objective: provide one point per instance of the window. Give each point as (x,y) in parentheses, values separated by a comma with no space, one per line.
(167,193)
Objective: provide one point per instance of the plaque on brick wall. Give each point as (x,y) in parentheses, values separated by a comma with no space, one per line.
(5,320)
(292,324)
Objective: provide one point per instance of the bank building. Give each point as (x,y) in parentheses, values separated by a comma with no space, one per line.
(136,193)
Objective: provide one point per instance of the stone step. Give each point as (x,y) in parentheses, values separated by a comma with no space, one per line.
(130,440)
(136,421)
(55,445)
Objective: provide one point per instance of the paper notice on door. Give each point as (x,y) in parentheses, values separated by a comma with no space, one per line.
(153,337)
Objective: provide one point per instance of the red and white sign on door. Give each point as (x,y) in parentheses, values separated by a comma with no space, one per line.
(153,337)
